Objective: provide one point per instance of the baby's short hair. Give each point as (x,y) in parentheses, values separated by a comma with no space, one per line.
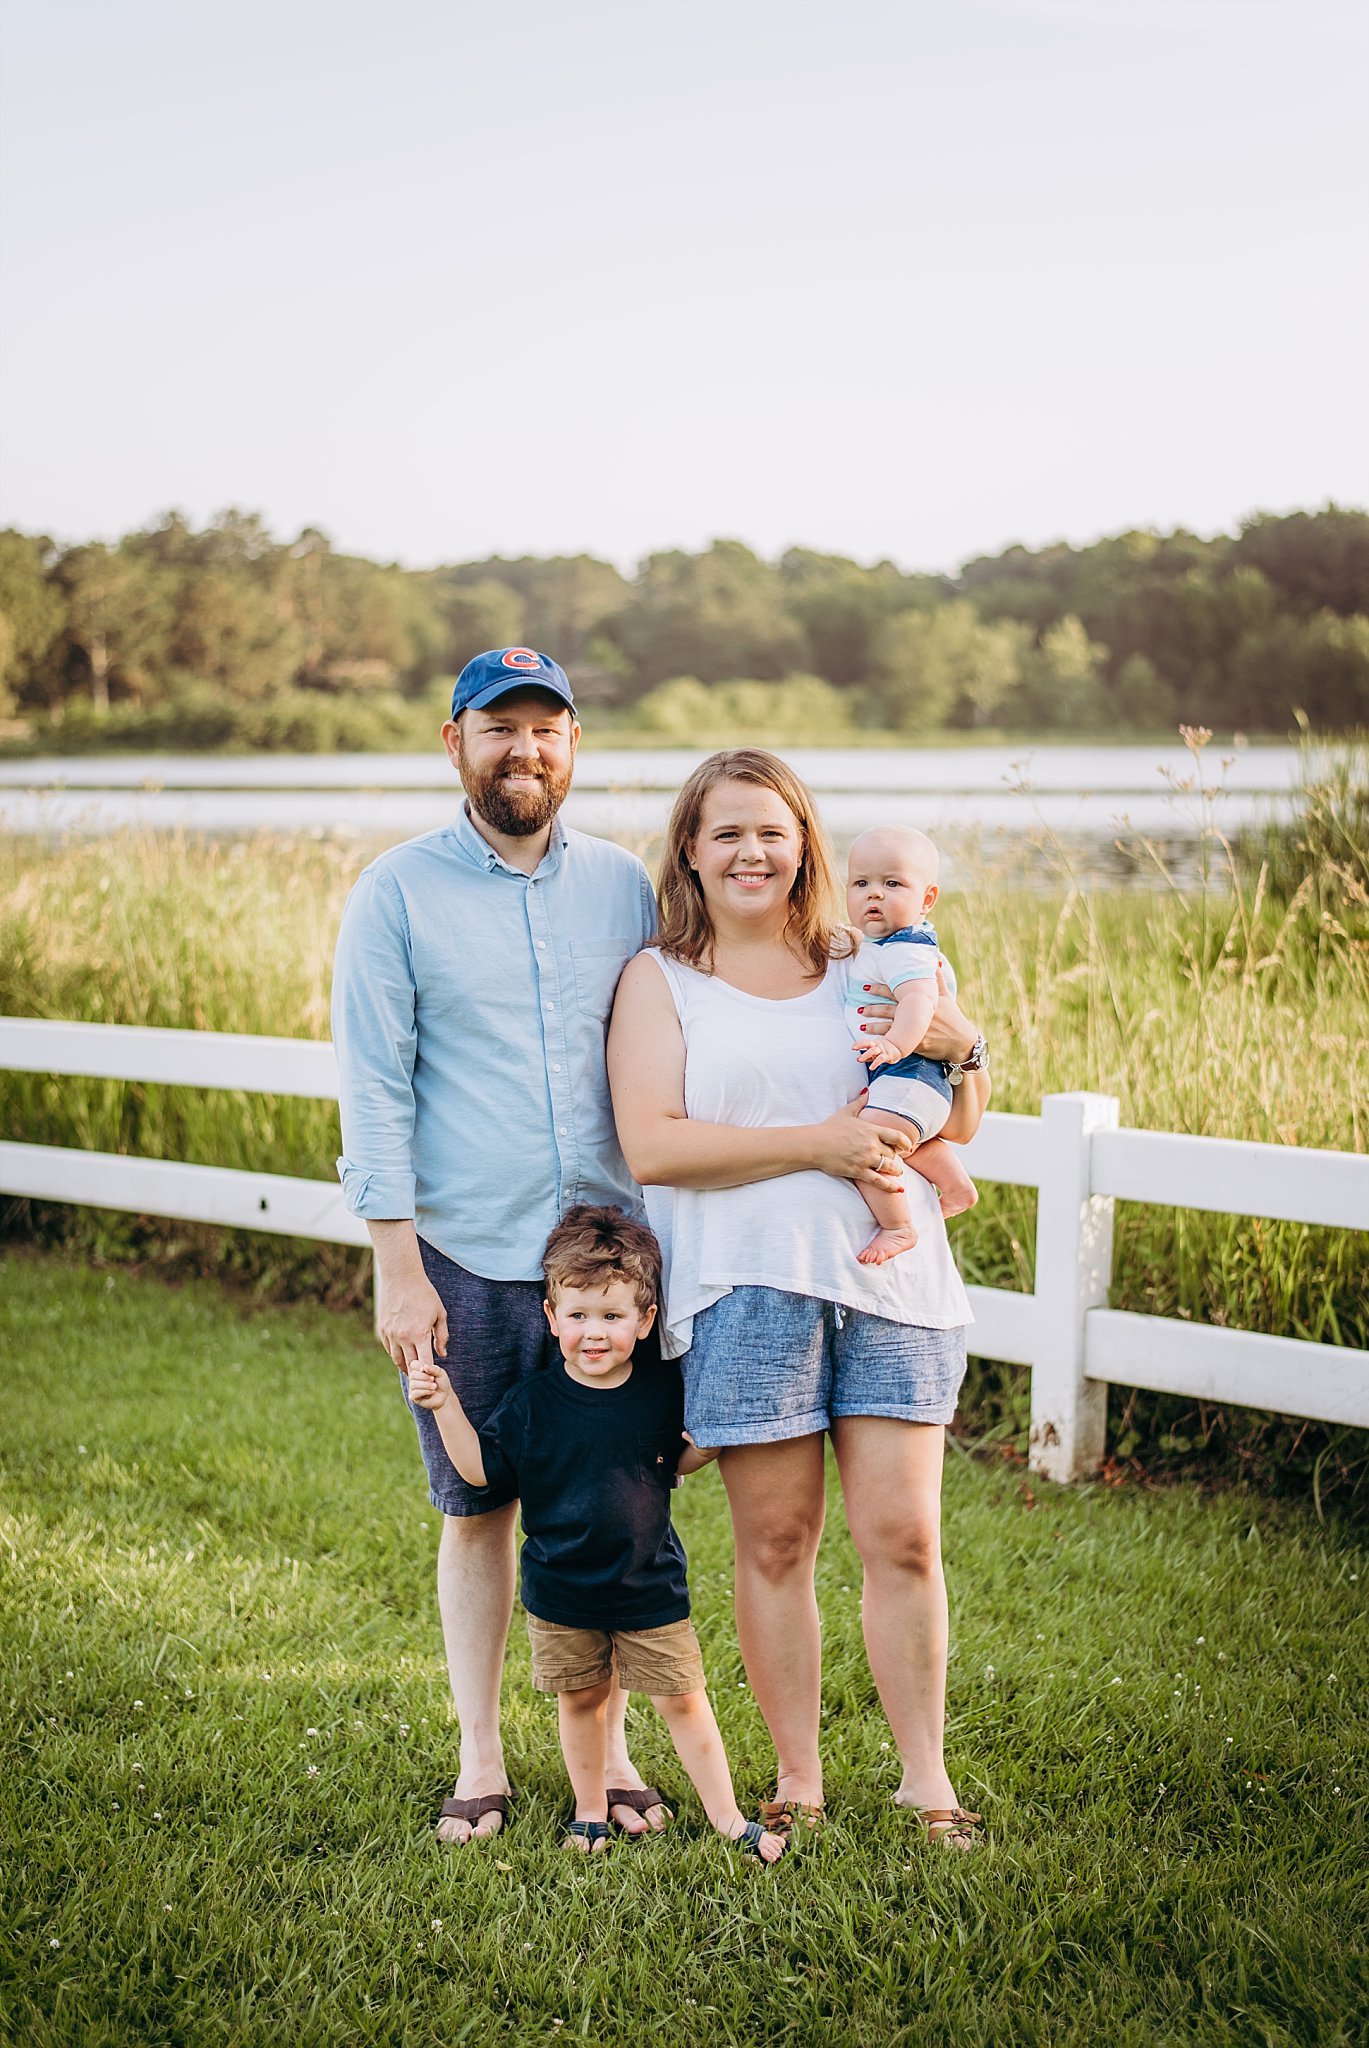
(593,1244)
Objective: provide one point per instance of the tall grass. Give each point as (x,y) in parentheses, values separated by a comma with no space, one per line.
(1239,1010)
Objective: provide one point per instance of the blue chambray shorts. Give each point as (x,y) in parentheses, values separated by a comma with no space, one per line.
(496,1335)
(766,1365)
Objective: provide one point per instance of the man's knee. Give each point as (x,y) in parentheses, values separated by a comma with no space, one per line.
(473,1531)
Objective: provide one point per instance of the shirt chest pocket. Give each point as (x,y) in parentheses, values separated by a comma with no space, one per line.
(657,1458)
(597,964)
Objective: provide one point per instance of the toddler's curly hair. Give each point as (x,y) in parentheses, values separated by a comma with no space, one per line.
(593,1244)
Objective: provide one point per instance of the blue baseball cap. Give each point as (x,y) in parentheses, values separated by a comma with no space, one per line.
(504,669)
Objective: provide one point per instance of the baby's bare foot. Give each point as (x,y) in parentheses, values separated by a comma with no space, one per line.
(955,1200)
(887,1244)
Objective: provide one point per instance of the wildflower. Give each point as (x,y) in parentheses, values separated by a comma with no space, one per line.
(1201,1639)
(137,1703)
(436,1926)
(884,1745)
(312,1771)
(988,1670)
(311,1731)
(54,1942)
(157,1815)
(81,1449)
(166,1909)
(1114,1681)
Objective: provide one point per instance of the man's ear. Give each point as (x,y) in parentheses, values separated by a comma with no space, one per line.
(648,1318)
(451,740)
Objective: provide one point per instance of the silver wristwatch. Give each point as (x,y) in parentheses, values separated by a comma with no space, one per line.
(976,1061)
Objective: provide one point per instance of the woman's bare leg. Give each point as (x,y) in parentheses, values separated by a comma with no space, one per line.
(776,1495)
(891,1479)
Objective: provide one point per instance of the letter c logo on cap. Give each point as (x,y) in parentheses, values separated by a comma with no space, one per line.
(521,657)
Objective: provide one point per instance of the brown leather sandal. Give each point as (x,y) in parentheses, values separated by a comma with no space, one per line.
(474,1810)
(778,1816)
(637,1801)
(951,1824)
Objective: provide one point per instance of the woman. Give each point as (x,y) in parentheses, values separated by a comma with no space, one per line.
(735,1091)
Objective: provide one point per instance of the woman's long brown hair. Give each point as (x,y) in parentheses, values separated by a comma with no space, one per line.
(686,931)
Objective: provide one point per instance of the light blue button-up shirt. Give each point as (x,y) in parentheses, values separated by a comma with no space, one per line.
(470,1009)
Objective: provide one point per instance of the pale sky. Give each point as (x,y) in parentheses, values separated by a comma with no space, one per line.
(905,278)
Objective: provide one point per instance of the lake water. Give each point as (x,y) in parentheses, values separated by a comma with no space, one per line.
(1007,803)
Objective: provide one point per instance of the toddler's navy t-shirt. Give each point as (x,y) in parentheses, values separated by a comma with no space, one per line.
(594,1468)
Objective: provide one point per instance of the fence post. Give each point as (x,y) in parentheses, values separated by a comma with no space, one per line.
(1073,1272)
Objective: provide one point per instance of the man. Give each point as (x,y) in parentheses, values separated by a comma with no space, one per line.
(476,967)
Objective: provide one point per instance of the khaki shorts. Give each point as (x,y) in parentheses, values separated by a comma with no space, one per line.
(650,1660)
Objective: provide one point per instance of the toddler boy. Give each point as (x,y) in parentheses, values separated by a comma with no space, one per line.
(891,886)
(592,1448)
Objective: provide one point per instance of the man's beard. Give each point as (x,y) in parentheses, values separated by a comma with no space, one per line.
(517,812)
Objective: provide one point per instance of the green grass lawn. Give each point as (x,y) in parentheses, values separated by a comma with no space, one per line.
(227,1736)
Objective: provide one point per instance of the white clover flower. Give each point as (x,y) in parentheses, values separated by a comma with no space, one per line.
(436,1926)
(312,1771)
(54,1942)
(311,1731)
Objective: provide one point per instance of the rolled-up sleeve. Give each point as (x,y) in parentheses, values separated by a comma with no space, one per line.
(375,1039)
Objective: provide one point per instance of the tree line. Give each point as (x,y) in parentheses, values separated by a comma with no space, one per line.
(229,636)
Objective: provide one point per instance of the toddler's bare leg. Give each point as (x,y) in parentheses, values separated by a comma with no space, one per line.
(890,1211)
(938,1162)
(699,1746)
(581,1718)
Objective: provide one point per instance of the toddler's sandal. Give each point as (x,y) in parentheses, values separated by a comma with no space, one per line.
(589,1837)
(748,1843)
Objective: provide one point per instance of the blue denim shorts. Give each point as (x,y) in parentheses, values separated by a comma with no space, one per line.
(497,1335)
(765,1366)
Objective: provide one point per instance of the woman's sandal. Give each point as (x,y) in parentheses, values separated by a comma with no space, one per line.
(748,1842)
(637,1801)
(949,1824)
(779,1815)
(589,1832)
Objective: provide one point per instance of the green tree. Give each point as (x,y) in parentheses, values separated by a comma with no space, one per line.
(33,614)
(927,665)
(119,618)
(714,615)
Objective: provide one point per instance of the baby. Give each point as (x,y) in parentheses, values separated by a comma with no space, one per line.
(891,886)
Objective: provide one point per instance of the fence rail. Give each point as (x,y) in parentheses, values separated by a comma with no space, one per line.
(1074,1154)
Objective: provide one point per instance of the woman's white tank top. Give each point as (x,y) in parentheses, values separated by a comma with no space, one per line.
(760,1063)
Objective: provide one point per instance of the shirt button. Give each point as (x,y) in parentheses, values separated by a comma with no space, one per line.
(556,1066)
(549,1006)
(560,1130)
(541,945)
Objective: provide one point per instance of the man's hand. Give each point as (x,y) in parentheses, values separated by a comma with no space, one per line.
(412,1318)
(851,1150)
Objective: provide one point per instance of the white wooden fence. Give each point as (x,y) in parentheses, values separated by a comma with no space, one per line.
(1073,1154)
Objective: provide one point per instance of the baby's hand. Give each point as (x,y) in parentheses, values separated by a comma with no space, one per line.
(429,1385)
(876,1052)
